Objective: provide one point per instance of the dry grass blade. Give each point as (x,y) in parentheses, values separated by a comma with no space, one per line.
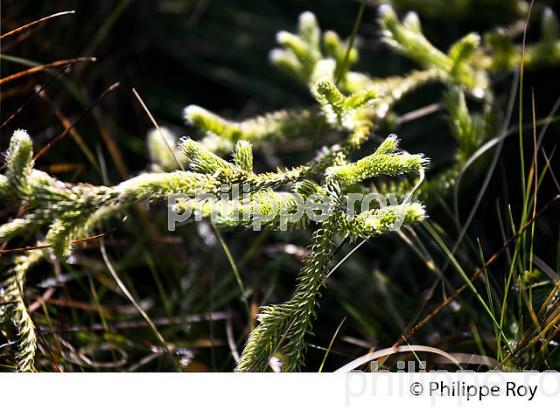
(31,248)
(136,324)
(473,277)
(474,359)
(37,91)
(34,23)
(38,69)
(331,343)
(153,120)
(367,358)
(127,293)
(45,149)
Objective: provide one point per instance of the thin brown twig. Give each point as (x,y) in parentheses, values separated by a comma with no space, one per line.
(44,150)
(22,37)
(35,23)
(35,93)
(136,324)
(39,68)
(32,248)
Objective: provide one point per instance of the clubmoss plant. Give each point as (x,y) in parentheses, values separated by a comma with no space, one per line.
(13,309)
(355,103)
(466,9)
(350,103)
(70,212)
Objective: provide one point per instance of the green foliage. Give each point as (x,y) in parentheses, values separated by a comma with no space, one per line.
(73,211)
(349,103)
(505,55)
(305,58)
(12,309)
(162,149)
(458,65)
(466,9)
(222,134)
(19,160)
(282,328)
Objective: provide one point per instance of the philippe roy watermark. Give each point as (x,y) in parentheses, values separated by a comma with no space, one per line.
(237,204)
(411,381)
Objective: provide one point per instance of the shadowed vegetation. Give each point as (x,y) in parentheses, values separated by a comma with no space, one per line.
(91,278)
